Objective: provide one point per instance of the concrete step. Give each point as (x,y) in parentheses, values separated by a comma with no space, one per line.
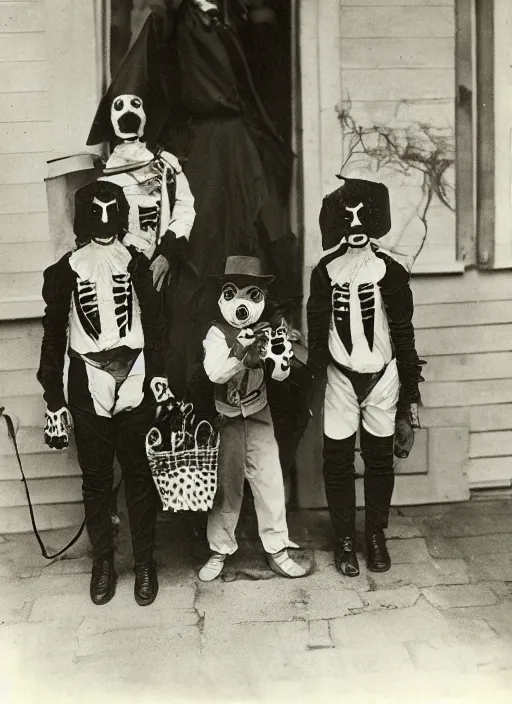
(30,441)
(16,519)
(59,463)
(53,490)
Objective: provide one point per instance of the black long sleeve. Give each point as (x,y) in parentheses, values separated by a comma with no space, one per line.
(319,312)
(398,301)
(57,292)
(150,304)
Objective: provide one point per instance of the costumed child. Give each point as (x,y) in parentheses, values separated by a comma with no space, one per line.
(102,308)
(161,205)
(360,330)
(239,348)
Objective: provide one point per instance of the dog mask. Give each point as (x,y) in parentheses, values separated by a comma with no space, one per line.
(241,307)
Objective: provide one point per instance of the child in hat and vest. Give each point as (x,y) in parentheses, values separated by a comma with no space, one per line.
(238,350)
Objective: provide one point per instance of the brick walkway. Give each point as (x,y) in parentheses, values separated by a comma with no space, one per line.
(437,627)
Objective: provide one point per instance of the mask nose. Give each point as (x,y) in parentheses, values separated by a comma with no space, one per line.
(359,240)
(242,313)
(104,216)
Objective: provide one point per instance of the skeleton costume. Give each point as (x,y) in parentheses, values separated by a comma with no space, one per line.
(239,349)
(360,331)
(161,206)
(102,308)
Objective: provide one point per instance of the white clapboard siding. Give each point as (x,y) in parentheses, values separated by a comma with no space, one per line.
(385,53)
(26,284)
(400,22)
(22,17)
(26,137)
(14,356)
(489,472)
(23,227)
(471,286)
(438,113)
(42,491)
(476,338)
(30,442)
(398,84)
(23,76)
(22,198)
(25,257)
(40,466)
(467,367)
(23,169)
(454,315)
(497,443)
(21,382)
(493,417)
(467,393)
(16,519)
(29,410)
(30,46)
(25,107)
(395,3)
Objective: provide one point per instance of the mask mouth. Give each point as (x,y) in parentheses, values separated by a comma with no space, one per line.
(129,124)
(358,241)
(242,314)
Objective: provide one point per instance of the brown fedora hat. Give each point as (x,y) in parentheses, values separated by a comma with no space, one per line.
(244,270)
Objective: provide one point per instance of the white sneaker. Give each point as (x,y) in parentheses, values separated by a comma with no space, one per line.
(282,564)
(213,567)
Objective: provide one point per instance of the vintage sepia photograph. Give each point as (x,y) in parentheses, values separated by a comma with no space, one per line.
(255,351)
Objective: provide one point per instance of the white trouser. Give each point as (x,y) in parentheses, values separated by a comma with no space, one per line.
(248,449)
(342,410)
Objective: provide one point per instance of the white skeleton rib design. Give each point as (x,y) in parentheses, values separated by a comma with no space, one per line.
(105,304)
(123,299)
(87,308)
(341,313)
(366,296)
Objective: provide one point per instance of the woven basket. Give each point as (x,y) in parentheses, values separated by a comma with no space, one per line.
(185,475)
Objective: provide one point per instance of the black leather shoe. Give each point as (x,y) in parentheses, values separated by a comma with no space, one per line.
(377,555)
(345,558)
(146,583)
(103,580)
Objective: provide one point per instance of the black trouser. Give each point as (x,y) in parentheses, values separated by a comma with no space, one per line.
(99,440)
(339,478)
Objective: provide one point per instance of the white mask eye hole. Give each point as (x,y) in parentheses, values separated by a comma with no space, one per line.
(119,104)
(256,295)
(136,103)
(229,291)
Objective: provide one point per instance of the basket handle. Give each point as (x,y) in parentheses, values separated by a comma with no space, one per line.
(211,432)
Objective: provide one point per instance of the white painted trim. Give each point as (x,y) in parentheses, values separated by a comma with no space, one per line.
(503,133)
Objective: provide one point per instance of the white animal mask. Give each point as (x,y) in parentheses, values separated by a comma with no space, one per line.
(241,307)
(128,117)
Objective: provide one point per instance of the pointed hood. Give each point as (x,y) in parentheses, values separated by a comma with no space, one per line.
(140,74)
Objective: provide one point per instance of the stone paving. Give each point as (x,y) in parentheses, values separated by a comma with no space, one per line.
(436,628)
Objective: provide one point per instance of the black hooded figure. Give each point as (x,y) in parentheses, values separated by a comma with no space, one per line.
(102,313)
(202,105)
(360,332)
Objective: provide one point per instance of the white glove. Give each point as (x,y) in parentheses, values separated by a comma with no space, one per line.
(57,427)
(279,351)
(161,391)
